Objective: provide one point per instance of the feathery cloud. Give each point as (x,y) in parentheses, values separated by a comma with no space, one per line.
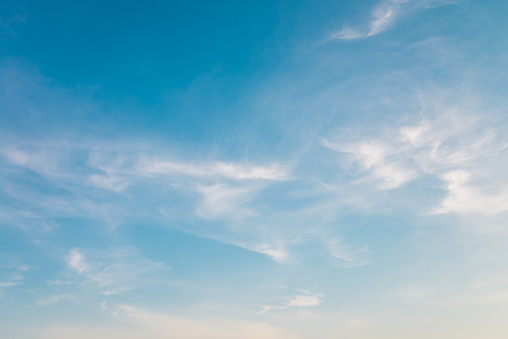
(11,271)
(114,272)
(454,146)
(233,171)
(303,299)
(382,17)
(464,198)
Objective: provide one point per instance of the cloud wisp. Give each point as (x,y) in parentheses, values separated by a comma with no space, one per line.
(109,273)
(383,16)
(233,171)
(231,202)
(12,272)
(302,299)
(124,173)
(453,147)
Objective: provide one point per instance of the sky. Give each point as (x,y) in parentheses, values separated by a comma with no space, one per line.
(254,169)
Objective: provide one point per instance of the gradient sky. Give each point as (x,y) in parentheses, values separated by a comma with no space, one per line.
(254,169)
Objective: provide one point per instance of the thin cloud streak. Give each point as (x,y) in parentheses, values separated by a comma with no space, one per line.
(302,300)
(231,171)
(111,273)
(12,272)
(383,16)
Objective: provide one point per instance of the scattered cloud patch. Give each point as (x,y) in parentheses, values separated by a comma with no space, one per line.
(306,299)
(302,299)
(382,17)
(11,271)
(348,257)
(454,147)
(232,171)
(76,261)
(380,159)
(54,299)
(277,253)
(223,200)
(464,198)
(110,183)
(111,273)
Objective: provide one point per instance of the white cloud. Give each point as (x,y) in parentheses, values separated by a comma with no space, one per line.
(382,17)
(111,183)
(114,272)
(347,256)
(222,200)
(464,198)
(76,261)
(347,33)
(381,160)
(266,308)
(454,146)
(306,299)
(38,162)
(233,171)
(303,299)
(11,271)
(54,299)
(211,190)
(277,253)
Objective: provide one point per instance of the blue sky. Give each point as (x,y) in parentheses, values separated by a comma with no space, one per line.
(254,169)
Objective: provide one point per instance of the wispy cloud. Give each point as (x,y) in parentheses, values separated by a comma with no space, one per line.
(450,145)
(277,252)
(306,299)
(233,171)
(209,190)
(212,191)
(222,200)
(302,299)
(348,257)
(112,182)
(54,299)
(382,17)
(114,272)
(464,198)
(380,159)
(76,261)
(11,271)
